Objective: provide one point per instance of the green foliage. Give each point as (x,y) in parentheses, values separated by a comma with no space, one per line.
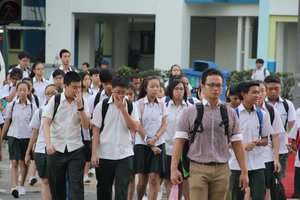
(125,70)
(287,79)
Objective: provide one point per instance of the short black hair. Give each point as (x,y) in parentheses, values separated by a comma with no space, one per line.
(259,60)
(210,72)
(70,77)
(244,87)
(272,79)
(107,75)
(134,76)
(94,71)
(23,54)
(16,73)
(143,91)
(233,89)
(86,64)
(120,81)
(63,51)
(171,87)
(58,72)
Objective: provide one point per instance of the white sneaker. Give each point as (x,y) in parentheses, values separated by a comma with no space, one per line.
(15,192)
(86,179)
(145,197)
(22,190)
(32,180)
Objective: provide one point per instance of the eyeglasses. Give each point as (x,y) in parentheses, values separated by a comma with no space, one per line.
(50,94)
(179,89)
(214,85)
(120,92)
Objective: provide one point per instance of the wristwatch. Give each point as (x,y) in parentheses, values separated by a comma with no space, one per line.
(80,109)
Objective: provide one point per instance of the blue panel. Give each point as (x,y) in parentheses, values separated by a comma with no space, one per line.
(34,3)
(271,66)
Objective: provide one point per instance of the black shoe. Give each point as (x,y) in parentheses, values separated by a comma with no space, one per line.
(33,181)
(15,193)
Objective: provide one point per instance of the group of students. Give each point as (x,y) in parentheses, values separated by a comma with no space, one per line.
(128,127)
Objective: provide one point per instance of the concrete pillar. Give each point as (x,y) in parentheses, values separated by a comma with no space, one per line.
(263,31)
(60,30)
(239,44)
(247,42)
(120,42)
(172,34)
(86,51)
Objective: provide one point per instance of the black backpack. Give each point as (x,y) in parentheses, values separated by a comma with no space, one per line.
(286,107)
(57,102)
(277,188)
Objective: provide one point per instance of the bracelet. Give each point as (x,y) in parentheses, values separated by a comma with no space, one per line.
(157,136)
(80,109)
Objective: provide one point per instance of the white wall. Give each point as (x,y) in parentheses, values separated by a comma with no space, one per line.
(226,42)
(202,45)
(284,7)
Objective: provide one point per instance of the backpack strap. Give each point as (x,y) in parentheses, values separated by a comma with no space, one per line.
(167,100)
(191,100)
(40,113)
(237,111)
(260,119)
(56,104)
(129,106)
(286,107)
(36,99)
(97,98)
(104,111)
(265,72)
(225,120)
(198,127)
(271,112)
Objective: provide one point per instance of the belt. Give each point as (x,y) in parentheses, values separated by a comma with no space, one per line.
(209,163)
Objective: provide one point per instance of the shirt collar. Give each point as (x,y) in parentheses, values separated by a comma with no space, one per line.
(35,80)
(110,100)
(62,68)
(27,101)
(205,102)
(280,99)
(171,102)
(241,107)
(146,100)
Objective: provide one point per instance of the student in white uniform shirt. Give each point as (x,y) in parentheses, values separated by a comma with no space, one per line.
(65,57)
(37,137)
(112,151)
(64,145)
(255,136)
(24,60)
(95,85)
(260,73)
(178,95)
(106,77)
(17,119)
(287,114)
(149,146)
(38,80)
(85,133)
(10,92)
(294,134)
(271,151)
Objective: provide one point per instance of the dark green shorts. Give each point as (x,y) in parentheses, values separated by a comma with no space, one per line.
(41,164)
(17,148)
(146,162)
(269,173)
(87,150)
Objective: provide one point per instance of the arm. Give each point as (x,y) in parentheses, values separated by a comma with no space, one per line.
(49,147)
(32,140)
(275,141)
(11,95)
(291,124)
(176,176)
(95,142)
(85,121)
(240,156)
(159,133)
(262,142)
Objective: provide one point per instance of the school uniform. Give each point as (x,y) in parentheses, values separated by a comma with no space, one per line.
(26,71)
(39,88)
(260,74)
(250,126)
(269,150)
(150,116)
(37,122)
(114,150)
(94,89)
(19,131)
(92,100)
(65,135)
(86,133)
(283,137)
(51,81)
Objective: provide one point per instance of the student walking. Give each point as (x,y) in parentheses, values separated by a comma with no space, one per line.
(63,117)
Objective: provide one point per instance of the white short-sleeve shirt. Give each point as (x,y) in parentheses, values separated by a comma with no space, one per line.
(115,140)
(65,129)
(174,113)
(151,118)
(37,122)
(20,116)
(277,129)
(39,88)
(92,100)
(260,74)
(283,115)
(250,126)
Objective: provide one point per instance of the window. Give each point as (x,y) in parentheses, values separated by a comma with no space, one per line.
(147,42)
(14,39)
